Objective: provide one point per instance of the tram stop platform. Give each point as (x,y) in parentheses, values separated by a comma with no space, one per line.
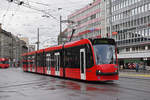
(131,73)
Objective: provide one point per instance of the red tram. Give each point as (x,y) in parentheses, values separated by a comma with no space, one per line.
(4,63)
(86,59)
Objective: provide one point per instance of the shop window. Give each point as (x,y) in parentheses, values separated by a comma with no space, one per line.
(127,49)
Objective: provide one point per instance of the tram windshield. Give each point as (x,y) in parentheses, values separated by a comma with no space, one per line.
(105,54)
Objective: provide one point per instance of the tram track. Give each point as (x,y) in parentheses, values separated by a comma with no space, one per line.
(22,84)
(135,78)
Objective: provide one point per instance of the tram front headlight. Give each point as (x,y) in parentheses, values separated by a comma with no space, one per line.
(116,71)
(98,72)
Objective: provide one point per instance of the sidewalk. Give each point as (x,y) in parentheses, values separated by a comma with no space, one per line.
(128,73)
(133,70)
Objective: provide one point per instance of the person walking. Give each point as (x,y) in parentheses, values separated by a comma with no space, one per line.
(137,67)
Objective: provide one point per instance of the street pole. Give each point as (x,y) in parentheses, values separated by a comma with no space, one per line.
(110,17)
(60,24)
(38,39)
(105,18)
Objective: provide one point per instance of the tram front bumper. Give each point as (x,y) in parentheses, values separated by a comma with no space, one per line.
(98,72)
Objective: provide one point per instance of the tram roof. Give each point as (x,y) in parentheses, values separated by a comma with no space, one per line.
(53,48)
(31,53)
(24,54)
(40,51)
(76,43)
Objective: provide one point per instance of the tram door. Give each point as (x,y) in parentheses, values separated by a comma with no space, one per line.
(48,63)
(33,63)
(57,66)
(29,63)
(82,64)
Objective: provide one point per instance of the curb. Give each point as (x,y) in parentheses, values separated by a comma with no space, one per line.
(134,71)
(135,75)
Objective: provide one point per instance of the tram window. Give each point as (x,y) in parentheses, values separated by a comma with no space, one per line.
(89,57)
(52,59)
(72,57)
(40,59)
(44,59)
(36,59)
(73,54)
(61,59)
(28,61)
(48,60)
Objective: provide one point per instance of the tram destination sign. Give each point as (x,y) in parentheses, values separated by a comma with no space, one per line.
(103,41)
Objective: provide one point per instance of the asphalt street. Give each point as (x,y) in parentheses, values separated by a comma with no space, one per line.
(18,85)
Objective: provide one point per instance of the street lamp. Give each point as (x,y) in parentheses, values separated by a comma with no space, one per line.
(38,38)
(60,20)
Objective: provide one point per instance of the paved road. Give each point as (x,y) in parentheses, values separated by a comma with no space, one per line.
(18,85)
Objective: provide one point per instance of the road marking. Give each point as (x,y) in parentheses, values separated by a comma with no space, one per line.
(141,75)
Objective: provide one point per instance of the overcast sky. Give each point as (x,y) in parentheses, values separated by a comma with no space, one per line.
(21,20)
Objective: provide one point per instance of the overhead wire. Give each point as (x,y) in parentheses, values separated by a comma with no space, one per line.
(4,15)
(39,3)
(34,8)
(13,15)
(43,11)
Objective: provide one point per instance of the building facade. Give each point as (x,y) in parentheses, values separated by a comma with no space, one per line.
(89,21)
(5,44)
(31,48)
(131,30)
(11,46)
(127,21)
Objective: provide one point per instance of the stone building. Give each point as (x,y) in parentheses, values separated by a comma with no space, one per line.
(11,46)
(31,48)
(5,44)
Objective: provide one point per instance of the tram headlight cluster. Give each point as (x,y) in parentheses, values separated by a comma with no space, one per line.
(116,71)
(98,72)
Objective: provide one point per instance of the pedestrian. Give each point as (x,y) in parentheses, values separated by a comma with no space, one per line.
(137,67)
(143,67)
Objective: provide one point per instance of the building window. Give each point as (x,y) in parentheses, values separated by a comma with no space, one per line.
(93,16)
(142,8)
(146,7)
(127,49)
(136,10)
(142,48)
(145,21)
(141,20)
(148,47)
(134,49)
